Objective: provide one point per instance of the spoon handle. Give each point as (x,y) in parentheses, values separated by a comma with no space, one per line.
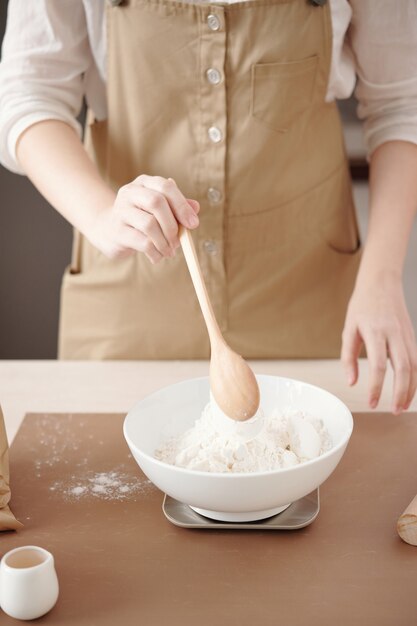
(194,268)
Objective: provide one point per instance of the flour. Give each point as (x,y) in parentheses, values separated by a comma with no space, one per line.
(286,439)
(55,440)
(55,449)
(114,485)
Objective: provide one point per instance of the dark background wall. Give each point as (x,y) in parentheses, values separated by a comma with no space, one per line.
(35,244)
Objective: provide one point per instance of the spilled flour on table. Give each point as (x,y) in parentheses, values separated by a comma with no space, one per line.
(58,439)
(60,443)
(114,485)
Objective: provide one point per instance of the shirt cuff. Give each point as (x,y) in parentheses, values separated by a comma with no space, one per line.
(8,156)
(374,137)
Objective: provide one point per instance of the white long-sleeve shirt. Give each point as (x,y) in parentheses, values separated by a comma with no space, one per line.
(54,53)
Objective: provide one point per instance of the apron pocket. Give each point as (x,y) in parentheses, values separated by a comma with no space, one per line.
(281,92)
(355,248)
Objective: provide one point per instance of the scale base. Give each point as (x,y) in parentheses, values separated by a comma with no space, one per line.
(296,515)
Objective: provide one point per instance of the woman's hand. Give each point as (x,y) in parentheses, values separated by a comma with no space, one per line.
(144,215)
(377,316)
(144,218)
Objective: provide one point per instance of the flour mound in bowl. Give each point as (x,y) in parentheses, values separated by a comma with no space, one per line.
(286,439)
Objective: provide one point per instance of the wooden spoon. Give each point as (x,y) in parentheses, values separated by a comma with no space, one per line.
(232,382)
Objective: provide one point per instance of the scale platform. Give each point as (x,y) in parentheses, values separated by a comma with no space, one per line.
(298,515)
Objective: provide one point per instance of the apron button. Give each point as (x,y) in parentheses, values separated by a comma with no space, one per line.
(114,3)
(213,22)
(215,134)
(210,246)
(214,195)
(213,76)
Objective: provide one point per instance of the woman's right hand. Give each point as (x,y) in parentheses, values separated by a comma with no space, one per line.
(144,218)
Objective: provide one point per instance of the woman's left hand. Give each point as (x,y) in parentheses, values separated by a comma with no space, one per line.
(377,317)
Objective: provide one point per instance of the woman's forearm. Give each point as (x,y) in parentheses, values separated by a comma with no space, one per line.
(377,315)
(54,158)
(142,216)
(392,206)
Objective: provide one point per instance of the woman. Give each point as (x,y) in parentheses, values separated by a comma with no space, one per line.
(221,117)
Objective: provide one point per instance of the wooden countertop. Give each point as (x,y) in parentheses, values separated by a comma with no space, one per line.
(115,386)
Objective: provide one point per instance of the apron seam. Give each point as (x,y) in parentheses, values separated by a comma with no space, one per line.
(107,148)
(200,111)
(328,43)
(293,199)
(194,7)
(254,4)
(226,180)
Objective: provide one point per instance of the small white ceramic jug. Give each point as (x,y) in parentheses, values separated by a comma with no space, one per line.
(28,582)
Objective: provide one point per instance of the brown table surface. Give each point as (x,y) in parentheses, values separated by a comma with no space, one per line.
(121,563)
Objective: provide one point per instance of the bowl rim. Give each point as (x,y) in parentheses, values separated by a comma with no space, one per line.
(235,475)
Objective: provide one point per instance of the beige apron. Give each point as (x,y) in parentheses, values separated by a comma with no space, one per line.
(229,100)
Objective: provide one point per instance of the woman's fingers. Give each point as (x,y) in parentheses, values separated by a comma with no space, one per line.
(150,214)
(351,347)
(148,211)
(135,240)
(400,361)
(145,218)
(405,379)
(412,355)
(159,207)
(194,205)
(378,313)
(181,208)
(376,349)
(413,375)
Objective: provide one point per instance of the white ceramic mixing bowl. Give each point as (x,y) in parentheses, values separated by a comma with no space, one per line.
(234,496)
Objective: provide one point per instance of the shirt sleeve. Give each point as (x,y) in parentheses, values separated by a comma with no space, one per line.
(383,38)
(45,55)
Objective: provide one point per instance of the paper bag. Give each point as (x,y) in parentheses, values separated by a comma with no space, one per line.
(7,519)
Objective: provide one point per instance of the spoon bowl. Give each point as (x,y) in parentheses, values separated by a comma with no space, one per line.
(233,383)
